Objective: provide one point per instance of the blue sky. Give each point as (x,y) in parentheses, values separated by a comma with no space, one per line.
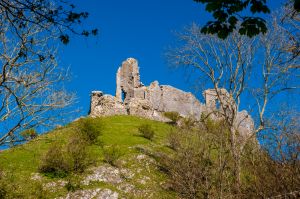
(132,28)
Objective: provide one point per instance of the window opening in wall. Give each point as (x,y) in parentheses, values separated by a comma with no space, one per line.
(218,104)
(123,95)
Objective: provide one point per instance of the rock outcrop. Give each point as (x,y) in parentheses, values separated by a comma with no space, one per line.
(134,98)
(106,105)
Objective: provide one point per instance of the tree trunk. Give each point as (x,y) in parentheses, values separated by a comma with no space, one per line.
(236,153)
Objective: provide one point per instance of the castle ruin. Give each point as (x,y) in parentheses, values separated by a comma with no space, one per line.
(134,98)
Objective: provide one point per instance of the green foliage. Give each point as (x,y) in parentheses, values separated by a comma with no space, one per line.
(54,163)
(188,122)
(194,168)
(112,154)
(173,116)
(90,129)
(146,131)
(190,168)
(60,160)
(227,15)
(77,153)
(173,139)
(201,166)
(119,131)
(29,134)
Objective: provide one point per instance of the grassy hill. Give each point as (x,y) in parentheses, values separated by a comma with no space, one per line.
(194,161)
(136,175)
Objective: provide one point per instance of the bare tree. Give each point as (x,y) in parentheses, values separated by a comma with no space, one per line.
(282,139)
(277,161)
(52,16)
(290,21)
(257,67)
(31,81)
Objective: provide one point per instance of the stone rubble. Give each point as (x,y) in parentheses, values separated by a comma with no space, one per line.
(108,174)
(126,188)
(104,174)
(144,180)
(59,183)
(36,177)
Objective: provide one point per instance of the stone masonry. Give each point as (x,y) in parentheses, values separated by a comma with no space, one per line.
(134,98)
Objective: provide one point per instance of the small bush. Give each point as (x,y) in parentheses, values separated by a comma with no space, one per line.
(77,153)
(112,154)
(188,123)
(146,131)
(29,134)
(189,168)
(54,162)
(174,139)
(90,129)
(173,116)
(60,160)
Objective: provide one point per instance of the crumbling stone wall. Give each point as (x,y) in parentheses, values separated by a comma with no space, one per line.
(128,79)
(133,98)
(213,103)
(106,105)
(214,98)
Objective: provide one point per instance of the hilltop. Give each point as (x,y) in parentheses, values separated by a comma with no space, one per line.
(136,175)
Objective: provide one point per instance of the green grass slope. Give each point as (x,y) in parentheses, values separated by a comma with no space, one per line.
(136,176)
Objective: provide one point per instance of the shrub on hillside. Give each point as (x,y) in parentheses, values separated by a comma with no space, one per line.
(190,167)
(273,170)
(77,154)
(54,163)
(146,131)
(188,123)
(61,160)
(90,129)
(200,164)
(112,154)
(174,139)
(173,116)
(29,134)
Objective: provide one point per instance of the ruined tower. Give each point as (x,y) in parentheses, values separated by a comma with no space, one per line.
(128,78)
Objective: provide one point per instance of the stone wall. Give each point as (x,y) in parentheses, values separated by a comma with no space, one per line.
(133,98)
(128,79)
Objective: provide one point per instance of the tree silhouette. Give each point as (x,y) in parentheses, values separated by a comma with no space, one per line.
(57,16)
(228,17)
